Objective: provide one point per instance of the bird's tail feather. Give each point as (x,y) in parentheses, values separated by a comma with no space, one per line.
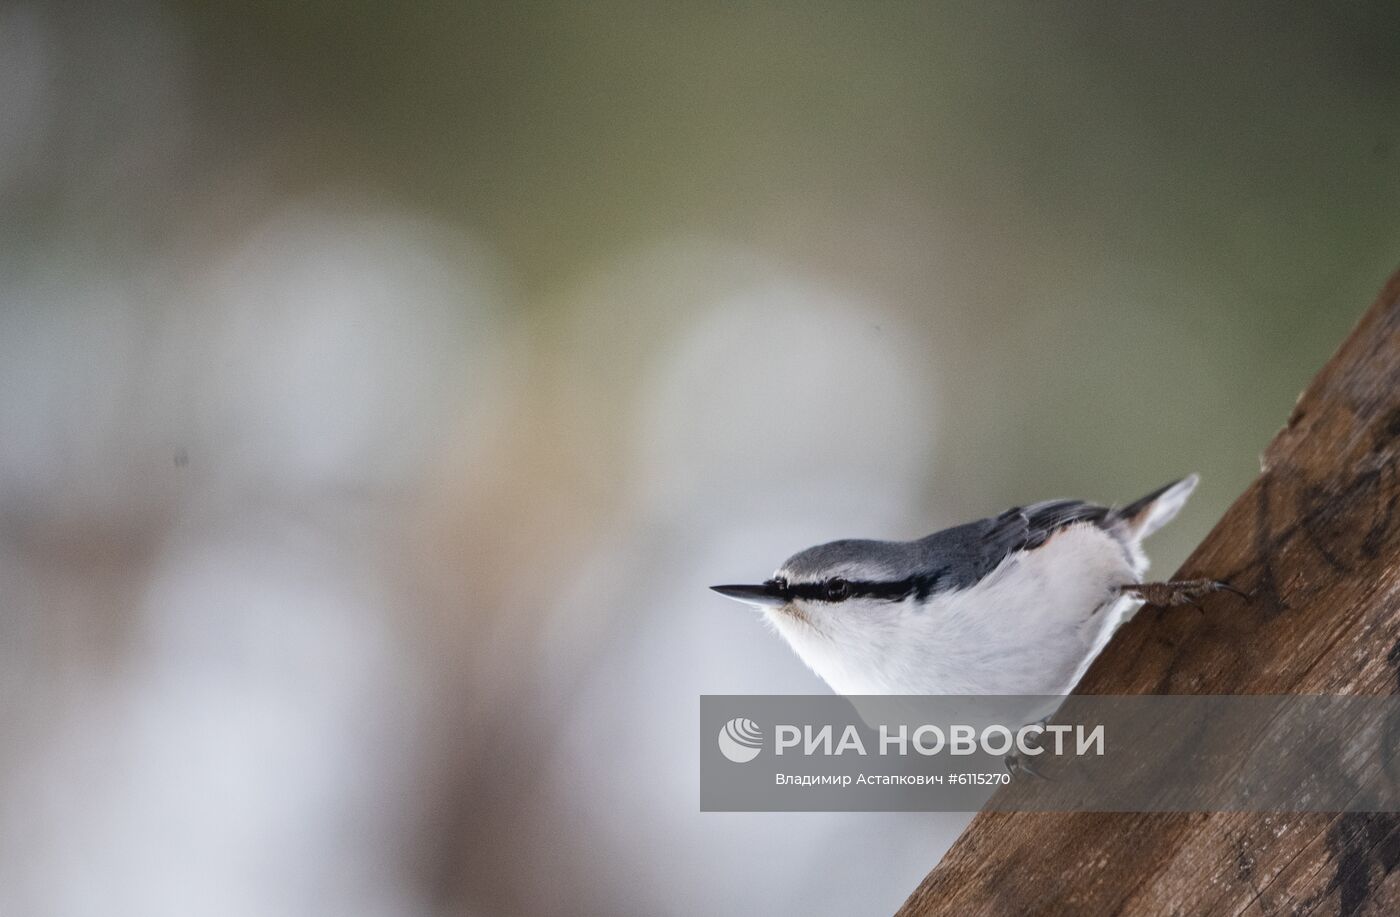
(1144,516)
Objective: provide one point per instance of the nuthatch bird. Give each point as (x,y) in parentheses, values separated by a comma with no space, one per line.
(1018,603)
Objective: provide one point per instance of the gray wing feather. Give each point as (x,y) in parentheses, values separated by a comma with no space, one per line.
(963,555)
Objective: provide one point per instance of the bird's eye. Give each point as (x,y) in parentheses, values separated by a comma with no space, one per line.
(837,589)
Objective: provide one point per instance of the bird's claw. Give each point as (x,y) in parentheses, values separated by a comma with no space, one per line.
(1228,587)
(1016,765)
(1181,592)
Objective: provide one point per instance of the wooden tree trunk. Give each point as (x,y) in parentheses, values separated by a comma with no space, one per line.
(1316,537)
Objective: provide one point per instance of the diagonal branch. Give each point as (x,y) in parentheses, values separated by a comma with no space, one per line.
(1316,538)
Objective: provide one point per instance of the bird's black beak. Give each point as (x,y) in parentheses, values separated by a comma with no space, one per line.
(765,594)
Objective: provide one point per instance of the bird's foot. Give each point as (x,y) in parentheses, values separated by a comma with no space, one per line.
(1179,592)
(1018,764)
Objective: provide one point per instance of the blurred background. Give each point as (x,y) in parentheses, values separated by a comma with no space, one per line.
(381,387)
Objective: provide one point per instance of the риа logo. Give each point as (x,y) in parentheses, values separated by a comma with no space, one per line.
(740,740)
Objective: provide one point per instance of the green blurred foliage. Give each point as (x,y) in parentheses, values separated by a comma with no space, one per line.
(1140,228)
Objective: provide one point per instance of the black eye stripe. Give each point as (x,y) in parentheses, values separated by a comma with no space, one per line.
(890,591)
